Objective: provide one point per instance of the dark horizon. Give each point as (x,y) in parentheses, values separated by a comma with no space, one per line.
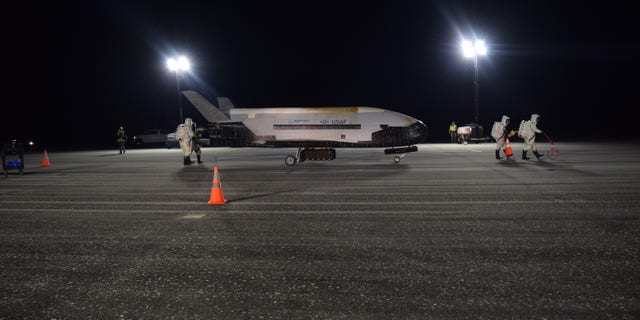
(93,67)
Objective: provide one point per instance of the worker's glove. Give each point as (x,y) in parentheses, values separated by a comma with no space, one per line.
(511,134)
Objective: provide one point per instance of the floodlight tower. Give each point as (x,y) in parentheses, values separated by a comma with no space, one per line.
(473,50)
(177,65)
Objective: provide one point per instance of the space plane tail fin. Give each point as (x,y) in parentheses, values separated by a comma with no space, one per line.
(225,104)
(208,110)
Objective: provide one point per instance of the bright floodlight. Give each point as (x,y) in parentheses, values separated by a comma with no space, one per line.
(467,48)
(182,64)
(481,50)
(470,50)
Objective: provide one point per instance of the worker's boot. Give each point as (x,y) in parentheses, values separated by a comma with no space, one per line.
(524,155)
(187,160)
(498,155)
(538,155)
(199,160)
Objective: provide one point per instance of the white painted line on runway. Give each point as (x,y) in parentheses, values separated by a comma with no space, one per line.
(193,216)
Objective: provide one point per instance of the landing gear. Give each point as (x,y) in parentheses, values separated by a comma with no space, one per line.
(401,152)
(304,154)
(397,159)
(290,160)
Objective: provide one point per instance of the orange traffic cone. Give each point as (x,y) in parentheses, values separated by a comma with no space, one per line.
(216,190)
(507,149)
(45,160)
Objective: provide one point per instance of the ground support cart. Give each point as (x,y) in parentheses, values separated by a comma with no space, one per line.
(12,158)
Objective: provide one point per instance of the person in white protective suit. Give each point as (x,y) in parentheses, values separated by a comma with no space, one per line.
(186,135)
(500,134)
(527,131)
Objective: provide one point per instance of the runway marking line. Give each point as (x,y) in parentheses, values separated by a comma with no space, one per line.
(193,216)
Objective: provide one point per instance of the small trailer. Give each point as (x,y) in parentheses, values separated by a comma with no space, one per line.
(471,133)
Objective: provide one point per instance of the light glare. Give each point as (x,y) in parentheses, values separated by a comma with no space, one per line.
(182,64)
(470,49)
(467,49)
(481,49)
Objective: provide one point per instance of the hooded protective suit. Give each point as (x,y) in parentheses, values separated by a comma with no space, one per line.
(185,136)
(499,133)
(528,130)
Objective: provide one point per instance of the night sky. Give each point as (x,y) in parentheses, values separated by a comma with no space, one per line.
(81,70)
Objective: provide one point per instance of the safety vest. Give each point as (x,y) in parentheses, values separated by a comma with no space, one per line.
(122,137)
(453,128)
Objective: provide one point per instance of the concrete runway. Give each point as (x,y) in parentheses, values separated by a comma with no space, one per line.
(449,233)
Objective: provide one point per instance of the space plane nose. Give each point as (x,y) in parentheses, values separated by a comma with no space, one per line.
(419,132)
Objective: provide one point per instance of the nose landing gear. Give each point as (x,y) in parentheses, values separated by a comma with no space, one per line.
(396,159)
(401,152)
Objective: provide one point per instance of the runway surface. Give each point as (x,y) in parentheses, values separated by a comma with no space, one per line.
(450,232)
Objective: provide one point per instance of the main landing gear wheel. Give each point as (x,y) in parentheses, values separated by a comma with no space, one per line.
(396,159)
(290,160)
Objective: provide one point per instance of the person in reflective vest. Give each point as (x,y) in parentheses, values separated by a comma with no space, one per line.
(453,131)
(121,139)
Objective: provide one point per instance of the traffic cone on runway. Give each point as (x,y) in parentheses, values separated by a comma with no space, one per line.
(45,160)
(507,149)
(216,190)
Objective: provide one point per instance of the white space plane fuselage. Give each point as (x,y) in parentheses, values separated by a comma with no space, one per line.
(314,130)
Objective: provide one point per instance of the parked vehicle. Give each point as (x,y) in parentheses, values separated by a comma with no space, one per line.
(171,141)
(151,137)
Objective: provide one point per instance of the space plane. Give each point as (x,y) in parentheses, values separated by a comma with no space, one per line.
(316,132)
